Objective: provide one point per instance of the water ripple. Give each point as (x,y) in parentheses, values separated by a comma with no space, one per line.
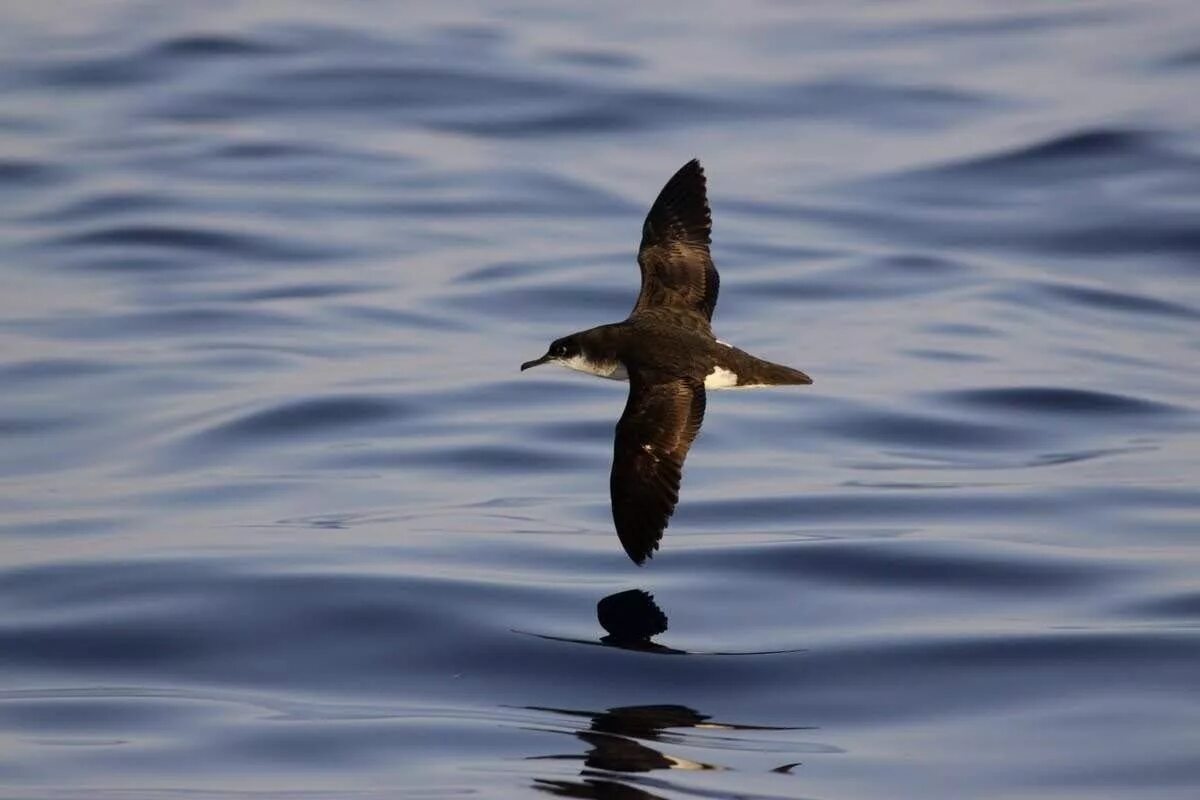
(297,418)
(214,242)
(1056,400)
(1124,301)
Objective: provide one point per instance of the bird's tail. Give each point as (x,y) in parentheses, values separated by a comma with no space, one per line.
(754,371)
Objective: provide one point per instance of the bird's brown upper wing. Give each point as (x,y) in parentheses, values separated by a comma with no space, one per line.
(654,434)
(677,268)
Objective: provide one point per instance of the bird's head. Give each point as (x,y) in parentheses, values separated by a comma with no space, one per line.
(560,350)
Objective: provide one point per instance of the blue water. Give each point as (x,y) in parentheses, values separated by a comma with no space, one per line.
(280,518)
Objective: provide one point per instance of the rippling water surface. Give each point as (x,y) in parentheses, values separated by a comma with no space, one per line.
(279,517)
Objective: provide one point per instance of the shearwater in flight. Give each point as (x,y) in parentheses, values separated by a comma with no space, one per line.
(667,351)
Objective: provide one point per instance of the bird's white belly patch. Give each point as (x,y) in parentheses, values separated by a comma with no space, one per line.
(720,378)
(613,370)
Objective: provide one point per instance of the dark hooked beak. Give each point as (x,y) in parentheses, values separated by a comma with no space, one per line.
(535,362)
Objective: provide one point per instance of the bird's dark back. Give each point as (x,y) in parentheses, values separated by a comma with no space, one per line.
(670,341)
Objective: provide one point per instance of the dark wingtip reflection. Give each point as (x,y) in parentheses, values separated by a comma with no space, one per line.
(631,620)
(630,617)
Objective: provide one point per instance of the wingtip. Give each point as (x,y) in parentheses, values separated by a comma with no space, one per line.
(681,212)
(693,167)
(639,560)
(637,556)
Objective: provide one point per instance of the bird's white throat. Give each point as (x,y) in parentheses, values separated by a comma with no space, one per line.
(613,370)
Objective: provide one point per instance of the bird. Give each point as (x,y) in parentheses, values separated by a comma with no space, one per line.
(668,353)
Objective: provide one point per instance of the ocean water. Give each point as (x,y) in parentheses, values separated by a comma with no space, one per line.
(280,518)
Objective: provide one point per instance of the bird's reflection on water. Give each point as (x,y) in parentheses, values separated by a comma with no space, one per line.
(634,739)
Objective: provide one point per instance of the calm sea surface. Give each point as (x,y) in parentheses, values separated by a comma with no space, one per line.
(280,518)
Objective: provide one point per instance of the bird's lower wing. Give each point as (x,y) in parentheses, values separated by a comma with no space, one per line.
(661,419)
